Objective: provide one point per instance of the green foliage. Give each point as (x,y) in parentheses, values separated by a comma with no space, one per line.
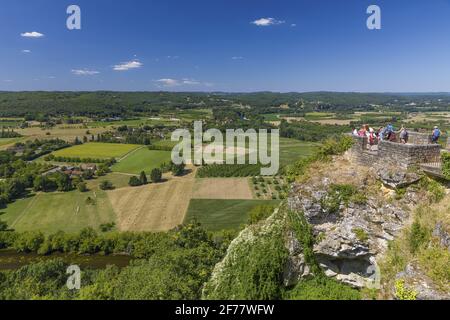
(106,185)
(134,181)
(335,146)
(260,213)
(156,175)
(42,280)
(143,178)
(253,269)
(402,292)
(106,227)
(445,158)
(29,241)
(435,261)
(82,187)
(322,288)
(178,170)
(361,235)
(304,234)
(229,170)
(341,194)
(436,191)
(3,226)
(310,131)
(418,236)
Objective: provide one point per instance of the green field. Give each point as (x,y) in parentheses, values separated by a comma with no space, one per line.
(7,141)
(216,215)
(142,160)
(51,212)
(292,150)
(97,150)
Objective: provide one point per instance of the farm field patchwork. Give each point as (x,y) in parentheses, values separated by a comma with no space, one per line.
(51,212)
(142,160)
(216,215)
(97,150)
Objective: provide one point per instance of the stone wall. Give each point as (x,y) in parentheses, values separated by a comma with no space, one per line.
(419,138)
(407,155)
(392,153)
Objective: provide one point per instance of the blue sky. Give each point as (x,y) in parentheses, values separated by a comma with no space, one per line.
(214,45)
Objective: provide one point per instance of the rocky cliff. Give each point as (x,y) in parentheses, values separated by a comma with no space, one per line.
(353,213)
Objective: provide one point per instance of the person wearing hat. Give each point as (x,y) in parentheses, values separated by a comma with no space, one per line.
(436,135)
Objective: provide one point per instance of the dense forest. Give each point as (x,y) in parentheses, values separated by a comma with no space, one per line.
(105,103)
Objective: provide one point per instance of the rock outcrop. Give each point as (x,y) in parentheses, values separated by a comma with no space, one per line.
(350,239)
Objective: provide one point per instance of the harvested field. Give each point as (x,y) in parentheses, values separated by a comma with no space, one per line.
(154,207)
(223,188)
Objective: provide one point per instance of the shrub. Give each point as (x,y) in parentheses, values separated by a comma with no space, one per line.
(143,178)
(446,165)
(106,185)
(322,288)
(178,169)
(156,175)
(403,293)
(82,187)
(418,237)
(106,227)
(361,235)
(3,226)
(134,181)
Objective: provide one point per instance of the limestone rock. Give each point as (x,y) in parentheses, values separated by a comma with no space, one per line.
(396,177)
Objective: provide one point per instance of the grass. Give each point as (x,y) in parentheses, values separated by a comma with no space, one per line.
(117,179)
(142,160)
(51,212)
(8,141)
(216,215)
(97,150)
(292,150)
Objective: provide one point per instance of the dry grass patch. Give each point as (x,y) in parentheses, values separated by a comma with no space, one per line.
(223,188)
(154,207)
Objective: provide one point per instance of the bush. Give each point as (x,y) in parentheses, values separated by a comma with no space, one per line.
(418,237)
(143,178)
(134,181)
(403,293)
(156,175)
(82,187)
(178,169)
(106,227)
(229,170)
(322,288)
(361,235)
(3,226)
(106,185)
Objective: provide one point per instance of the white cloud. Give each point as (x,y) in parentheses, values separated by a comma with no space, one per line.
(168,82)
(237,58)
(265,22)
(33,34)
(293,25)
(84,72)
(7,80)
(125,66)
(26,51)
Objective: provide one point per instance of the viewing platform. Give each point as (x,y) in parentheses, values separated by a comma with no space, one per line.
(419,151)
